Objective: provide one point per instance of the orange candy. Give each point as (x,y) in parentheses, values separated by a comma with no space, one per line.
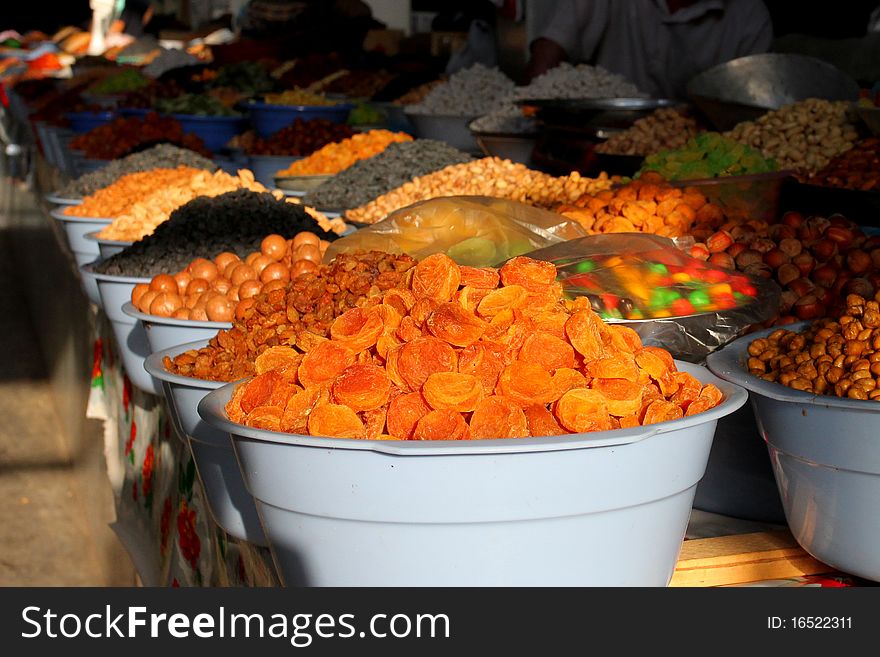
(498,417)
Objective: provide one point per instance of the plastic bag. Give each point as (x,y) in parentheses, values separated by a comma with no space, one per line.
(472,230)
(670,299)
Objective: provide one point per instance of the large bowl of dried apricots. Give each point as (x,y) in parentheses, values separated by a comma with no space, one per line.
(457,427)
(815,391)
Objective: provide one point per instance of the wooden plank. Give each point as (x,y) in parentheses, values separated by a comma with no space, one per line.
(743,558)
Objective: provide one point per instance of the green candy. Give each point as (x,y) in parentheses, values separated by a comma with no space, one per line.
(585,267)
(698,298)
(658,268)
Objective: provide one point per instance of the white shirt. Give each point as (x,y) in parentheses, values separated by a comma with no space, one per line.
(654,49)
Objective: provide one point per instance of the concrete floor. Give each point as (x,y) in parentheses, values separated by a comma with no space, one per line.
(51,531)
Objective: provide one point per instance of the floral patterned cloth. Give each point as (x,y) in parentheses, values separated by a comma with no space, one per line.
(161,514)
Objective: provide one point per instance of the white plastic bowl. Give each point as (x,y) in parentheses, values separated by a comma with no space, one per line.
(825,453)
(89,280)
(167,332)
(230,502)
(60,200)
(76,228)
(130,335)
(601,509)
(107,248)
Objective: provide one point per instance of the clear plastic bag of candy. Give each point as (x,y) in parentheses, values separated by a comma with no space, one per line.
(472,230)
(652,285)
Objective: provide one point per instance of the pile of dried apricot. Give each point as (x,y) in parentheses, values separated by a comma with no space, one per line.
(468,353)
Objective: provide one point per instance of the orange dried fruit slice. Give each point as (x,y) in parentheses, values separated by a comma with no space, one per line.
(455,325)
(650,362)
(712,393)
(621,396)
(386,342)
(547,350)
(324,363)
(525,384)
(484,278)
(565,379)
(307,341)
(277,357)
(436,277)
(408,330)
(374,422)
(661,410)
(469,298)
(265,417)
(689,389)
(498,417)
(357,328)
(401,300)
(389,316)
(422,357)
(533,275)
(552,322)
(258,391)
(699,405)
(630,421)
(441,425)
(620,366)
(630,337)
(335,421)
(483,362)
(421,309)
(404,412)
(663,355)
(233,406)
(392,359)
(584,331)
(362,387)
(453,390)
(582,410)
(510,297)
(296,414)
(541,421)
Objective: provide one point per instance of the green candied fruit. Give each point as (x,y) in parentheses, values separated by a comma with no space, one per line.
(585,267)
(708,155)
(698,298)
(658,268)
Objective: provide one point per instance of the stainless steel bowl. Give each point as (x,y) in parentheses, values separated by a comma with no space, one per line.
(744,88)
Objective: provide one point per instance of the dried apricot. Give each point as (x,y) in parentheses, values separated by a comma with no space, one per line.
(408,330)
(498,417)
(357,328)
(581,410)
(533,275)
(699,405)
(621,396)
(630,337)
(389,316)
(661,410)
(617,367)
(436,277)
(483,362)
(525,384)
(422,357)
(651,363)
(374,422)
(541,421)
(663,355)
(453,390)
(335,421)
(307,341)
(258,391)
(401,300)
(630,421)
(552,322)
(233,406)
(583,329)
(510,297)
(386,342)
(455,325)
(421,309)
(362,387)
(547,350)
(689,389)
(265,417)
(441,425)
(296,414)
(712,393)
(392,358)
(276,358)
(564,379)
(480,277)
(324,363)
(469,298)
(404,412)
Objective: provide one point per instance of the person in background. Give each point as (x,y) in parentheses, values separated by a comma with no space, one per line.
(657,44)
